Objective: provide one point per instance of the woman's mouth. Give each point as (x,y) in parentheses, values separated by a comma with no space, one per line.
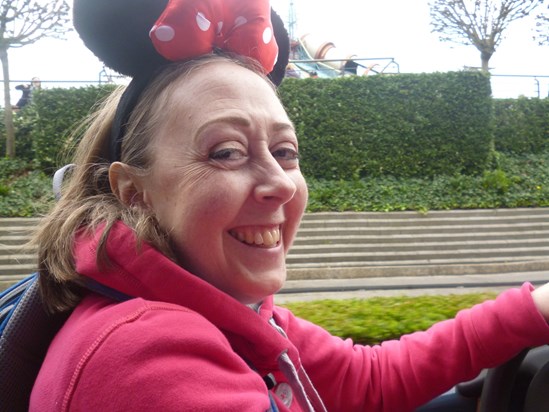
(255,236)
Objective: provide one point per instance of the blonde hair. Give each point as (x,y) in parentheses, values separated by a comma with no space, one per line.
(87,199)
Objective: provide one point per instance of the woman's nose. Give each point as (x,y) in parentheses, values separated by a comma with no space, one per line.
(274,184)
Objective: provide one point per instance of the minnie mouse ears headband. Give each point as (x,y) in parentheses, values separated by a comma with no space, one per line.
(137,37)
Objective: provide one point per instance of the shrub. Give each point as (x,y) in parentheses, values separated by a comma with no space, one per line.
(496,180)
(24,122)
(55,116)
(372,321)
(522,125)
(518,181)
(403,125)
(12,168)
(24,192)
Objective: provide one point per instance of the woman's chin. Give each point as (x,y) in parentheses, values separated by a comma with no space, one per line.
(257,288)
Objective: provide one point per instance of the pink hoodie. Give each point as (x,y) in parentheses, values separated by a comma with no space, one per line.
(184,345)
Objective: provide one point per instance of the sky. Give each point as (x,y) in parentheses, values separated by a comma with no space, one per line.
(398,29)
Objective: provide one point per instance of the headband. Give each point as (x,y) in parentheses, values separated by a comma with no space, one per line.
(138,37)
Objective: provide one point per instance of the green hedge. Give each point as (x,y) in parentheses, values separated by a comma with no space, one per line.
(24,192)
(53,116)
(519,181)
(372,321)
(406,125)
(401,125)
(522,125)
(23,143)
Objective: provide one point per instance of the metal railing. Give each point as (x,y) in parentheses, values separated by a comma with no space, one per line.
(503,85)
(515,85)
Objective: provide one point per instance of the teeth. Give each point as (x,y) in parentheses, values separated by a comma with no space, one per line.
(249,237)
(269,237)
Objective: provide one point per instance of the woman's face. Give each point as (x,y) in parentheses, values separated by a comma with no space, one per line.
(225,180)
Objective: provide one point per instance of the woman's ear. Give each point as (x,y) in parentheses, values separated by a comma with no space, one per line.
(125,184)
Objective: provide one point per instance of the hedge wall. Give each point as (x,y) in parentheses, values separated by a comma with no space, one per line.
(522,125)
(418,125)
(401,125)
(44,128)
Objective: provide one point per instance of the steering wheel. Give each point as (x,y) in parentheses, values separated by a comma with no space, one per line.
(531,365)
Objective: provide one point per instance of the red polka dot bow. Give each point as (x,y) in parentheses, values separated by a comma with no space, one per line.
(190,28)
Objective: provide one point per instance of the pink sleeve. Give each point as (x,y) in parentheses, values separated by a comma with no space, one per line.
(401,375)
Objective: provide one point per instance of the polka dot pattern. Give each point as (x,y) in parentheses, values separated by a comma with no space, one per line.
(164,33)
(240,21)
(190,28)
(202,22)
(267,35)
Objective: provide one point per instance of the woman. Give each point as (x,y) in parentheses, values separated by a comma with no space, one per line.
(187,224)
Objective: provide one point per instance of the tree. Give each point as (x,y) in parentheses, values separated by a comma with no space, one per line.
(23,22)
(542,27)
(480,23)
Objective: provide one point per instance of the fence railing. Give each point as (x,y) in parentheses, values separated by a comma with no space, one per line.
(503,85)
(515,85)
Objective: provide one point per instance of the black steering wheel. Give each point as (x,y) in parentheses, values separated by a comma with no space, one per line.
(521,384)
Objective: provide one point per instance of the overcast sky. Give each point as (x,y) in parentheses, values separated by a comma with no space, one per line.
(368,28)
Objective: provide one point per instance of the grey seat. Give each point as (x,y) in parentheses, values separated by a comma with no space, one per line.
(23,345)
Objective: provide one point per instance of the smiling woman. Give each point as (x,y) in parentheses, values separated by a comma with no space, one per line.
(228,184)
(184,199)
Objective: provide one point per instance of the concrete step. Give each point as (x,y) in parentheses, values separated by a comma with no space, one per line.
(390,228)
(418,270)
(351,244)
(17,241)
(500,213)
(334,239)
(409,262)
(8,271)
(362,288)
(18,221)
(450,256)
(382,243)
(414,245)
(487,222)
(29,258)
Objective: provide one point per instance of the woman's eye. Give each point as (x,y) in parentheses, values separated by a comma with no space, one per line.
(227,154)
(286,154)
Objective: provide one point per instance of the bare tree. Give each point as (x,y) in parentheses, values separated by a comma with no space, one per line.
(542,27)
(480,23)
(23,22)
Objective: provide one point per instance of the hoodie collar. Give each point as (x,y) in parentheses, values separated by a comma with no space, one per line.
(142,271)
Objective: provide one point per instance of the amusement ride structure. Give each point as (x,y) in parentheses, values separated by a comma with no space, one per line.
(311,56)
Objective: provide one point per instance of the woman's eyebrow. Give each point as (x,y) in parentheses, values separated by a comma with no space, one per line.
(244,122)
(234,120)
(283,126)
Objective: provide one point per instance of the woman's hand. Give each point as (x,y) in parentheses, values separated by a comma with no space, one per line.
(541,299)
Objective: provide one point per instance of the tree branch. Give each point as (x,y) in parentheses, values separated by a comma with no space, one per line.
(480,23)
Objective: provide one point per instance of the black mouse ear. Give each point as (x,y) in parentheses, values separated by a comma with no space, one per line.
(117,32)
(283,42)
